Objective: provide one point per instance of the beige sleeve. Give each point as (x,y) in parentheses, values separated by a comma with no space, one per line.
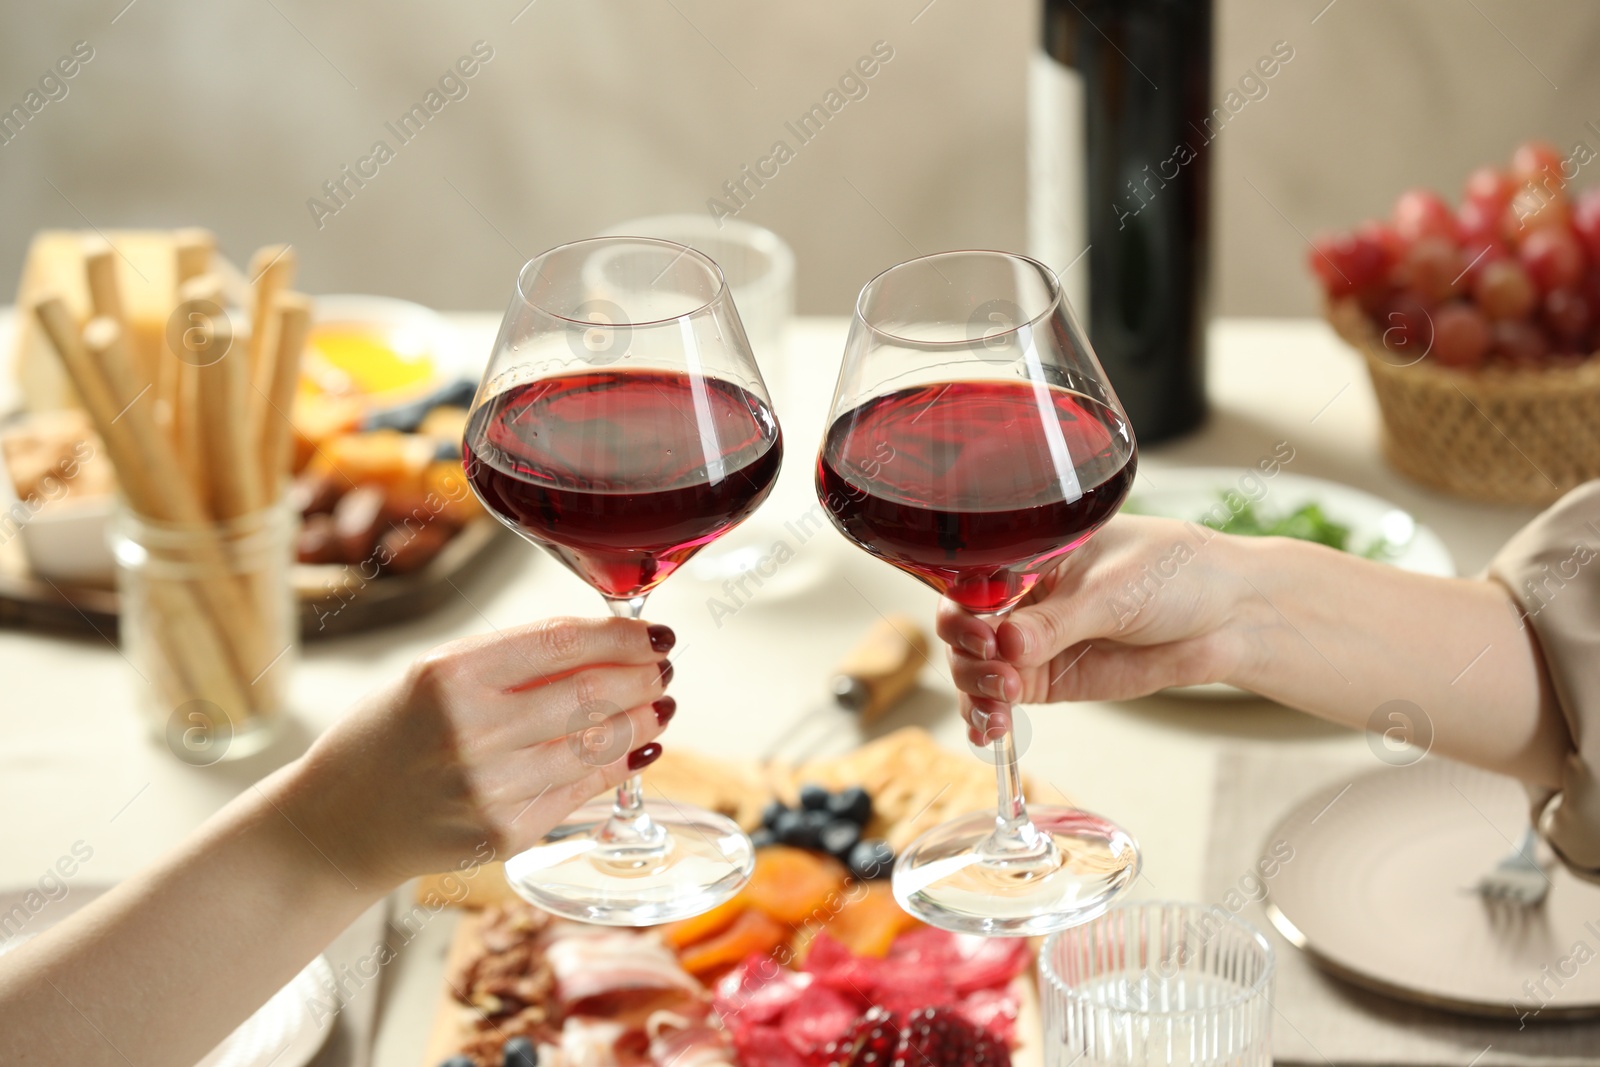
(1552,568)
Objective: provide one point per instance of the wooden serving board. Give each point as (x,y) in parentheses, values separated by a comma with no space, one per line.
(890,767)
(448,1032)
(333,600)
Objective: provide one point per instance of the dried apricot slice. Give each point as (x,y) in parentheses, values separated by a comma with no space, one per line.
(792,885)
(751,932)
(869,920)
(697,928)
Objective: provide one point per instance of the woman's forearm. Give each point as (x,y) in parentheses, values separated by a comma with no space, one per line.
(1341,637)
(165,966)
(469,753)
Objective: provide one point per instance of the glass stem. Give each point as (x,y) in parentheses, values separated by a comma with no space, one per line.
(1015,836)
(630,824)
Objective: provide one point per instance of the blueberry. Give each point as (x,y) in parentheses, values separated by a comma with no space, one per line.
(786,826)
(770,813)
(813,797)
(457,394)
(519,1052)
(807,829)
(812,823)
(763,837)
(854,804)
(871,859)
(839,837)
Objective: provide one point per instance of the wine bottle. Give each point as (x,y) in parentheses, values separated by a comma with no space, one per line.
(1119,142)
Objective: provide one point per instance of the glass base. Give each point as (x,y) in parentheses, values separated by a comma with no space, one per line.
(705,860)
(951,877)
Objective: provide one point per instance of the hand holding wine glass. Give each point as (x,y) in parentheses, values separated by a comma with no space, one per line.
(1091,630)
(622,425)
(974,442)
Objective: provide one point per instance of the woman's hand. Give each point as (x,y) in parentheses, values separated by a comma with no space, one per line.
(1144,604)
(482,747)
(1149,603)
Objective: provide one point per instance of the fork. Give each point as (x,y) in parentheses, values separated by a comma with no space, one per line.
(1518,878)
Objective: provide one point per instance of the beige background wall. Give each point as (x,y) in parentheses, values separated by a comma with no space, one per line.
(233,115)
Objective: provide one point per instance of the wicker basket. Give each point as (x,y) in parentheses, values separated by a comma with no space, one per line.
(1498,435)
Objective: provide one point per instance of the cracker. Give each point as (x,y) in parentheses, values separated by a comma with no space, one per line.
(731,787)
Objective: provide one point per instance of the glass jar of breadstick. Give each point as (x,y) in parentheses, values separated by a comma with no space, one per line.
(210,623)
(196,423)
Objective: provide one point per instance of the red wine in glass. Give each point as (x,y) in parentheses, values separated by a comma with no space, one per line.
(604,469)
(976,487)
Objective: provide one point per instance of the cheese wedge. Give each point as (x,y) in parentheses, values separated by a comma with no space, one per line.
(146,265)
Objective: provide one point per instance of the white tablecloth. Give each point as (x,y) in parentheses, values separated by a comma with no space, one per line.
(76,764)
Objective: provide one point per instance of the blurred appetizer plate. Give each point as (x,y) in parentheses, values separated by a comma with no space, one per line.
(389,353)
(1379,894)
(1190,493)
(284,1032)
(63,540)
(57,540)
(333,600)
(378,345)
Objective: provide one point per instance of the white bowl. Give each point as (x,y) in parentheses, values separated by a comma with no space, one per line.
(65,540)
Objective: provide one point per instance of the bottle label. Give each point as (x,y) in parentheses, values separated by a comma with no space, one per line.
(1058,210)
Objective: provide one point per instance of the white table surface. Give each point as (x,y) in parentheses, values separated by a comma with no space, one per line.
(77,765)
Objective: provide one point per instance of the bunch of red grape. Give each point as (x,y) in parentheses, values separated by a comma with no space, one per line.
(1511,277)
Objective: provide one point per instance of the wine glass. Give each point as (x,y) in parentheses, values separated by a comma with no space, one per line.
(622,424)
(973,442)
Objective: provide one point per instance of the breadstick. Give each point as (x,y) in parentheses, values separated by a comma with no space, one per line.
(271,272)
(199,300)
(195,650)
(292,315)
(233,471)
(193,249)
(100,264)
(105,296)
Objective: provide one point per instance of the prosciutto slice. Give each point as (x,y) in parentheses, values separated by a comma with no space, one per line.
(613,968)
(590,1042)
(679,1042)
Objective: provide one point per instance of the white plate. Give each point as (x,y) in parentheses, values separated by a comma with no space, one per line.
(1188,492)
(1378,893)
(284,1032)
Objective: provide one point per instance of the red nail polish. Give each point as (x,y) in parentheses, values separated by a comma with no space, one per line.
(666,671)
(643,756)
(661,637)
(665,708)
